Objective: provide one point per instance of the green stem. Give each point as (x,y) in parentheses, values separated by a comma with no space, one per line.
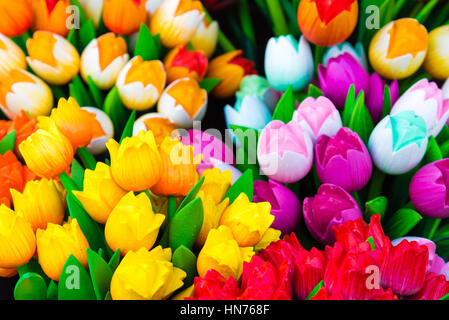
(277,17)
(171,209)
(425,12)
(245,20)
(398,6)
(375,188)
(224,42)
(87,158)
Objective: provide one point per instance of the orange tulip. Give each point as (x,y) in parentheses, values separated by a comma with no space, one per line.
(51,15)
(12,176)
(124,16)
(178,172)
(24,127)
(4,127)
(16,17)
(73,122)
(181,62)
(327,22)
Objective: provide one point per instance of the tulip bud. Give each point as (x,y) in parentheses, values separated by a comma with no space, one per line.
(17,238)
(41,202)
(176,21)
(327,23)
(57,243)
(182,63)
(343,160)
(183,102)
(18,16)
(216,183)
(205,37)
(52,57)
(398,143)
(94,10)
(102,130)
(404,266)
(285,206)
(330,207)
(73,122)
(124,16)
(247,221)
(21,90)
(338,76)
(374,98)
(436,62)
(318,117)
(11,56)
(140,83)
(428,189)
(103,59)
(157,123)
(223,254)
(132,224)
(260,87)
(146,275)
(288,63)
(178,170)
(47,152)
(135,163)
(425,99)
(285,152)
(308,271)
(356,51)
(51,15)
(100,192)
(399,48)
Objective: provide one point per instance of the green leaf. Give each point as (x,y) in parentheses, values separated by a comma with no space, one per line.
(209,84)
(285,107)
(77,172)
(184,259)
(371,242)
(314,92)
(78,91)
(114,108)
(82,14)
(361,121)
(100,273)
(74,282)
(401,222)
(427,227)
(68,183)
(445,297)
(250,144)
(243,184)
(426,11)
(191,195)
(386,107)
(52,291)
(349,106)
(89,227)
(315,290)
(102,254)
(246,162)
(87,158)
(108,296)
(34,267)
(87,33)
(96,93)
(442,233)
(171,208)
(433,152)
(147,46)
(8,142)
(186,225)
(72,38)
(443,136)
(30,286)
(58,92)
(375,206)
(128,131)
(443,248)
(114,261)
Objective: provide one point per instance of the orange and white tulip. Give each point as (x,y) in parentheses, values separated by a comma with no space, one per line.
(103,59)
(102,130)
(183,102)
(140,83)
(11,56)
(398,49)
(124,16)
(183,63)
(437,60)
(176,21)
(160,125)
(51,15)
(52,57)
(20,90)
(93,10)
(205,37)
(151,6)
(17,17)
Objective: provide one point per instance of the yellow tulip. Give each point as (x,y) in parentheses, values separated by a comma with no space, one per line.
(132,224)
(437,59)
(247,220)
(222,253)
(271,235)
(146,275)
(140,83)
(205,37)
(186,293)
(17,239)
(211,216)
(176,21)
(57,243)
(47,152)
(160,203)
(100,192)
(399,48)
(20,90)
(136,162)
(11,56)
(41,202)
(216,183)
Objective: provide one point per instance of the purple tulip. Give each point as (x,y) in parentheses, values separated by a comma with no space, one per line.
(374,98)
(330,207)
(285,206)
(341,72)
(429,189)
(343,160)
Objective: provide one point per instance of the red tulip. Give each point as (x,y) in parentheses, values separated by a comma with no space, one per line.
(283,250)
(435,287)
(215,287)
(308,271)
